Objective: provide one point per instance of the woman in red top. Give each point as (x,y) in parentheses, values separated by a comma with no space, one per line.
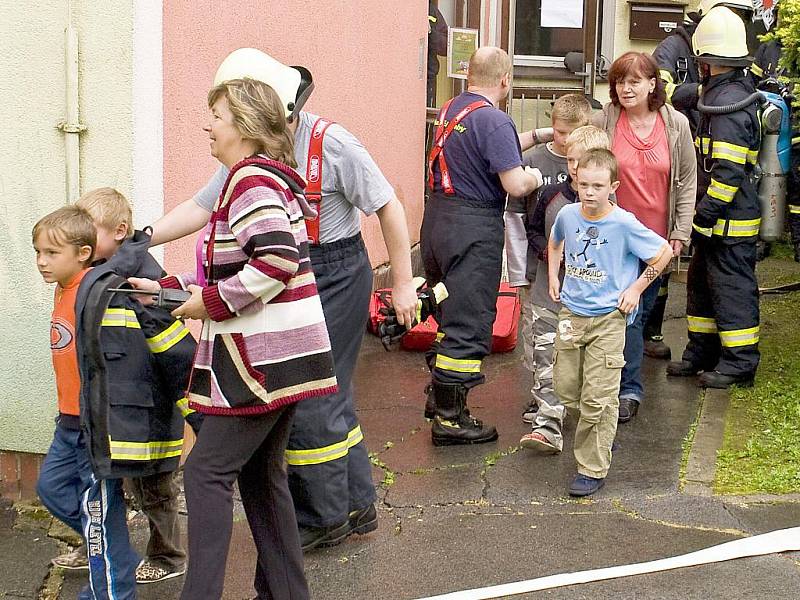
(658,179)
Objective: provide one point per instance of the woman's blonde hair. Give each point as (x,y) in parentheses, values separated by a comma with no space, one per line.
(258,115)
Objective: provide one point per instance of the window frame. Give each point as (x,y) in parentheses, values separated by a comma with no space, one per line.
(605,47)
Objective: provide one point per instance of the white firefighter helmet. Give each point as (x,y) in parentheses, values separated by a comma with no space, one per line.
(744,5)
(292,84)
(720,39)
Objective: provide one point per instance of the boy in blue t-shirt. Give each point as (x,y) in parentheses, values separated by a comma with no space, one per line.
(601,245)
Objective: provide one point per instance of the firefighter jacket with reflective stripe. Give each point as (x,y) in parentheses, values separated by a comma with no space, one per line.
(134,363)
(676,67)
(727,146)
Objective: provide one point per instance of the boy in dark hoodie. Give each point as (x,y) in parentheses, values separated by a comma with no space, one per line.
(134,363)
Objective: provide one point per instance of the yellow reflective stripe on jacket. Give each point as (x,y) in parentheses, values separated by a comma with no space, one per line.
(145,450)
(432,19)
(721,191)
(316,456)
(737,228)
(752,157)
(794,209)
(439,336)
(459,365)
(704,143)
(730,152)
(183,406)
(167,338)
(706,231)
(120,317)
(756,70)
(669,83)
(739,337)
(701,324)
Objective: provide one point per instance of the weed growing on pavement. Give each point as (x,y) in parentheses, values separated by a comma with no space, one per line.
(388,474)
(761,448)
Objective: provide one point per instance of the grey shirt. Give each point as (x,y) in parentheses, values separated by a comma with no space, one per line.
(351,181)
(540,292)
(553,167)
(554,170)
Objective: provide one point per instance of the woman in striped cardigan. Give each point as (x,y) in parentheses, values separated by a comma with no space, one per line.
(263,346)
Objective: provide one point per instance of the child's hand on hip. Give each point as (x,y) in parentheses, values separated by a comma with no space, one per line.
(628,301)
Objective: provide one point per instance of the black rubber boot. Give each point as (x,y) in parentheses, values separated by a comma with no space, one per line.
(430,404)
(683,368)
(453,424)
(715,379)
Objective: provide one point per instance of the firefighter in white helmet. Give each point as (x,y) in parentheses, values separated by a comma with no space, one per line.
(743,8)
(722,292)
(677,67)
(330,475)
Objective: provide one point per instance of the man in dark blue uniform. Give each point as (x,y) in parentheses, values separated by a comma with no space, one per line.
(475,161)
(722,291)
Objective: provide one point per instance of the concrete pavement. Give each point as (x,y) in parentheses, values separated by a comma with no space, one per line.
(464,517)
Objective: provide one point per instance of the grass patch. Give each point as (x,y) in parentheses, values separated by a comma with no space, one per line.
(761,447)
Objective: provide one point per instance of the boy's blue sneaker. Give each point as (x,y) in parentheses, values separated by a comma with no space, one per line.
(583,485)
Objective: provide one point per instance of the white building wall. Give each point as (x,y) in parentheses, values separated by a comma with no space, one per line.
(32,176)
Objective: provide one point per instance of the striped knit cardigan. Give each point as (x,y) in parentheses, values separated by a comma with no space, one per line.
(266,344)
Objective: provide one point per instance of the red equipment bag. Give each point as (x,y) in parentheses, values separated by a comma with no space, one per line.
(504,331)
(381,298)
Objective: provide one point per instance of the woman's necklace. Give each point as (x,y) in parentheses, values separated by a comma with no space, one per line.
(643,127)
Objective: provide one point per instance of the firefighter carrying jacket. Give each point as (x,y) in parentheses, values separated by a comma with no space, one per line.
(722,292)
(769,76)
(134,363)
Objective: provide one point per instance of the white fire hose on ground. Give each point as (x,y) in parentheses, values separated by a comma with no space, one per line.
(782,540)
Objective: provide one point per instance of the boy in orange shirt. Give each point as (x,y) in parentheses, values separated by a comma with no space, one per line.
(64,242)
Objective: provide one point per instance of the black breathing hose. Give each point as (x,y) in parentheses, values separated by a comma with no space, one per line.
(729,108)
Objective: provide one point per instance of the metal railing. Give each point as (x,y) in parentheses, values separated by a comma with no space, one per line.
(530,106)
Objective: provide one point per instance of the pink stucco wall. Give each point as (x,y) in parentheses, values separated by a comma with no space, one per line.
(364,56)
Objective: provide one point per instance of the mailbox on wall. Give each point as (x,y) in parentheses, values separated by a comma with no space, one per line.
(654,20)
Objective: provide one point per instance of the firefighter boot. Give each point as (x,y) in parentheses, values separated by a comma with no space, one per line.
(453,424)
(721,381)
(430,404)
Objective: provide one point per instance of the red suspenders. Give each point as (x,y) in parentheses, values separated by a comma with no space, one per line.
(314,176)
(442,133)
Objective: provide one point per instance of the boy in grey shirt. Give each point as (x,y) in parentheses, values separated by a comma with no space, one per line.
(569,112)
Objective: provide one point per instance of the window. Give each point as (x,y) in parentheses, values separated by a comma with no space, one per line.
(545,46)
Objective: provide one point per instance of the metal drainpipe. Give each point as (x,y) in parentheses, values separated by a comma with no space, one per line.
(72,126)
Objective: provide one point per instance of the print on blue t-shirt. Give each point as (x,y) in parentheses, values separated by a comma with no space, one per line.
(601,258)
